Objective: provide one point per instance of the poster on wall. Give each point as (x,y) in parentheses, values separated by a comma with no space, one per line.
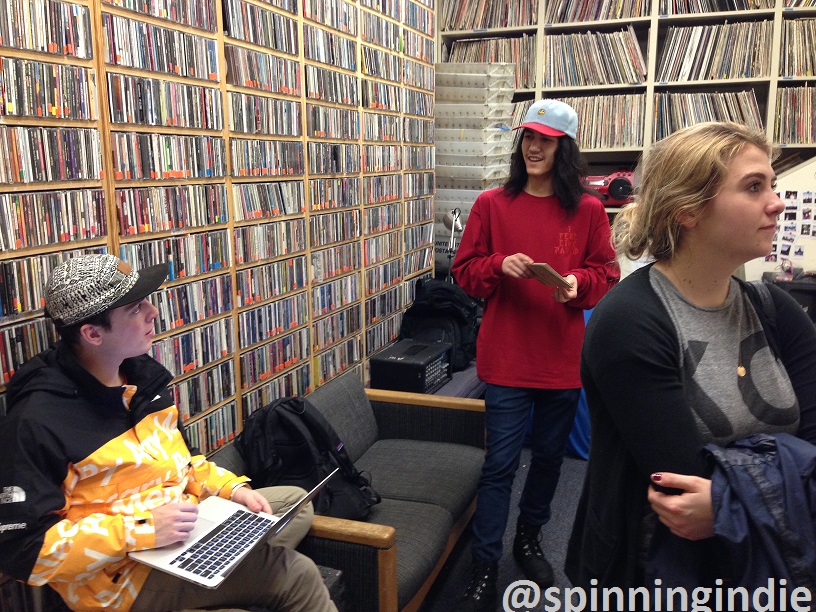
(795,236)
(794,244)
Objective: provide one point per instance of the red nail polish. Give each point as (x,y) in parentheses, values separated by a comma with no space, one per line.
(657,476)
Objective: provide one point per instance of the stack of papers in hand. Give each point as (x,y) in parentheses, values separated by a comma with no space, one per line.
(544,274)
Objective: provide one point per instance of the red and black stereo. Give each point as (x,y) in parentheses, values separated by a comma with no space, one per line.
(615,189)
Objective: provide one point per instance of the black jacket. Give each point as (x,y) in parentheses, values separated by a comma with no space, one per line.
(84,469)
(59,414)
(606,538)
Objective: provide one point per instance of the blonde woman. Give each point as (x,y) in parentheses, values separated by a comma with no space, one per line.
(681,355)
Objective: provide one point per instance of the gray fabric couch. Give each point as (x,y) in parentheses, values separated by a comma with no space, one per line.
(424,454)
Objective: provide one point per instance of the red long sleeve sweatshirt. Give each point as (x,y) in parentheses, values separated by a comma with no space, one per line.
(527,339)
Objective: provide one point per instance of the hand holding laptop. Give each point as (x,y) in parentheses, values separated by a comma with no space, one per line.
(224,533)
(174,522)
(250,498)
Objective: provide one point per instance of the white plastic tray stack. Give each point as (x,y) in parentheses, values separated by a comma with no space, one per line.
(473,139)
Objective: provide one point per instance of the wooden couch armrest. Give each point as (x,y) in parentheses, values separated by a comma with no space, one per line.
(366,553)
(355,532)
(425,399)
(436,418)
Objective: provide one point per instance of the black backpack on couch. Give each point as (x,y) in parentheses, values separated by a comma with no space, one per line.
(288,442)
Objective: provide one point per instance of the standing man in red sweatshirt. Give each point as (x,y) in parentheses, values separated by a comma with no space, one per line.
(530,338)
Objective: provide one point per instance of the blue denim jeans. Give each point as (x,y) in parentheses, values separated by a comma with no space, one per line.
(506,418)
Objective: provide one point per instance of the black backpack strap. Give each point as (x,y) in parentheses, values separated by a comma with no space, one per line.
(760,295)
(325,437)
(321,432)
(765,298)
(257,446)
(291,410)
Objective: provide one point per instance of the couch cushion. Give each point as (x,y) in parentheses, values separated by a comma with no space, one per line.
(346,407)
(422,532)
(399,470)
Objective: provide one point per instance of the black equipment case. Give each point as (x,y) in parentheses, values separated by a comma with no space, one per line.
(411,365)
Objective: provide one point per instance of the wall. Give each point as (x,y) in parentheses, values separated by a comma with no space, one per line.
(796,238)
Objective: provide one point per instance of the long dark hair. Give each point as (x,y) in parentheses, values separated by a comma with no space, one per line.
(569,169)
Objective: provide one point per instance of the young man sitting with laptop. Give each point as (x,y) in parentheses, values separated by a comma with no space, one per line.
(94,465)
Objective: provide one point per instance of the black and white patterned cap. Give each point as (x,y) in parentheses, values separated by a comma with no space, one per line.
(87,285)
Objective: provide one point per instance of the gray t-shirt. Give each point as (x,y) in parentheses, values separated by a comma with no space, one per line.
(714,342)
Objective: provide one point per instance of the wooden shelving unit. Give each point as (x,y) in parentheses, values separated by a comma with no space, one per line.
(765,66)
(272,150)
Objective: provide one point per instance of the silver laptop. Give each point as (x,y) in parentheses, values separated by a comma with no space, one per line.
(224,533)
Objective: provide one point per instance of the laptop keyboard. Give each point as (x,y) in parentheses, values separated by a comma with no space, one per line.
(217,549)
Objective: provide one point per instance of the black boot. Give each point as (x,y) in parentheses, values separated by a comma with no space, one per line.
(530,557)
(481,594)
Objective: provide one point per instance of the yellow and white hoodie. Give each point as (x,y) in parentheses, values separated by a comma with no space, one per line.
(82,466)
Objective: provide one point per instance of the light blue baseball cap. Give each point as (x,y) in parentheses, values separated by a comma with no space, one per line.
(551,118)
